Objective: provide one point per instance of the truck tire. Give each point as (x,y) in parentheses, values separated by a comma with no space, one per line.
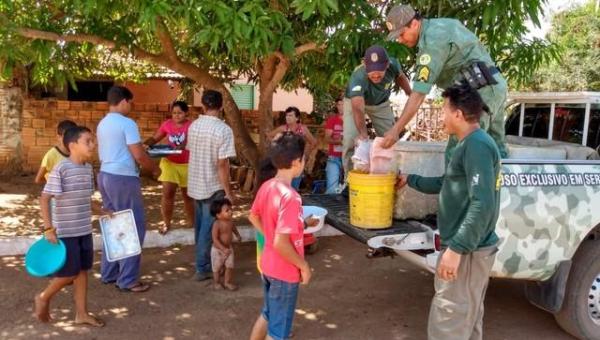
(580,311)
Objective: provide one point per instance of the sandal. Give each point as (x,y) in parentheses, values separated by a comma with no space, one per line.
(136,288)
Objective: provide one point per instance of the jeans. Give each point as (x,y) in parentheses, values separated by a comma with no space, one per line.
(203,222)
(334,173)
(279,306)
(296,182)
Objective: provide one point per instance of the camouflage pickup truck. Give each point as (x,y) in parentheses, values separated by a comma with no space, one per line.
(549,224)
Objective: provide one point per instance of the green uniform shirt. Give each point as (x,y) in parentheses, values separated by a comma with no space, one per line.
(374,94)
(469,199)
(445,47)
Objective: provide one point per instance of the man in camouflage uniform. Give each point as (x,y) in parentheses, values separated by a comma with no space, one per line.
(368,93)
(447,51)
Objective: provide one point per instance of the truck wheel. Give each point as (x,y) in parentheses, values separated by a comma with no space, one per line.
(580,312)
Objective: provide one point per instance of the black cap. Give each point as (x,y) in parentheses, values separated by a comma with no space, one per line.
(376,59)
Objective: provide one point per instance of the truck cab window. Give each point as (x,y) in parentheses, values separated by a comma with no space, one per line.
(568,123)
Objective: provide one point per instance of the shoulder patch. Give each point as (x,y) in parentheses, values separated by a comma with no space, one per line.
(423,75)
(357,88)
(424,59)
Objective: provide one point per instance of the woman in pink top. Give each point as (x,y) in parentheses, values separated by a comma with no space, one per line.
(174,167)
(293,125)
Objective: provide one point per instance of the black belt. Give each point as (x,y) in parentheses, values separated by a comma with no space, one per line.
(478,75)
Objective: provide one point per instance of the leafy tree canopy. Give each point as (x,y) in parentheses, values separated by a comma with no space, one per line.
(289,43)
(576,32)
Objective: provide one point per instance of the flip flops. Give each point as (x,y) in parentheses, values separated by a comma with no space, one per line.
(139,287)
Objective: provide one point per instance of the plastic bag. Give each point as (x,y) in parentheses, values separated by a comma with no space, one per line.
(362,156)
(381,160)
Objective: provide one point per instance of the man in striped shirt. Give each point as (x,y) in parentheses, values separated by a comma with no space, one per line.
(210,142)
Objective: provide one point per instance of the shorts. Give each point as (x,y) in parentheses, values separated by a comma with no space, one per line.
(218,259)
(80,255)
(173,172)
(279,306)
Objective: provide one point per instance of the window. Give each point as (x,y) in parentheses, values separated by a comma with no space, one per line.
(568,123)
(243,95)
(535,123)
(91,91)
(593,137)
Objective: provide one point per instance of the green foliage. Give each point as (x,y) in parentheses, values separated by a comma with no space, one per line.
(230,37)
(576,32)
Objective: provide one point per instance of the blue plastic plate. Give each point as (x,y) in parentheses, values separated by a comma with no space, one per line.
(44,258)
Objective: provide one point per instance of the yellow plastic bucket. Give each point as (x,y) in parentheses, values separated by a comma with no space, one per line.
(371,200)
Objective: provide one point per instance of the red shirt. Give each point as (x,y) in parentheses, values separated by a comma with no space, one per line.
(176,136)
(279,208)
(336,124)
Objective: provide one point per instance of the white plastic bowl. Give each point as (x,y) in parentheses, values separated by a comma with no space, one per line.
(316,212)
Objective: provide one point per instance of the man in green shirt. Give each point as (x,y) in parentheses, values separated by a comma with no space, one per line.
(368,92)
(447,53)
(468,210)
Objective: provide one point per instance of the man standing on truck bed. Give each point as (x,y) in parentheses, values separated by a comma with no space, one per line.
(468,210)
(368,93)
(447,53)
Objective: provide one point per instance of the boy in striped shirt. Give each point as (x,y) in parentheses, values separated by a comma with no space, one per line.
(71,183)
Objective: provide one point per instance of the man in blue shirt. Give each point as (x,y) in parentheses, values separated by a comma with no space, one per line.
(120,147)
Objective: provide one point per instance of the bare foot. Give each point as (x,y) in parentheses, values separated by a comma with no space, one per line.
(88,319)
(41,309)
(164,229)
(231,287)
(217,286)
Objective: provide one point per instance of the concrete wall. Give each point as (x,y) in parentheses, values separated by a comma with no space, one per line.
(11,104)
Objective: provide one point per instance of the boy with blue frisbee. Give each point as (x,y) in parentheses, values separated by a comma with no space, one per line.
(71,184)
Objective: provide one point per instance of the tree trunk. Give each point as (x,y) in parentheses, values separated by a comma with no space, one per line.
(271,71)
(265,121)
(246,148)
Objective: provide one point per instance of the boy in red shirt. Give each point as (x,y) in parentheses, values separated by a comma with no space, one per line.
(277,214)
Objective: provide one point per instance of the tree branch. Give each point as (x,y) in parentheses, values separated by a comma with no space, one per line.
(311,46)
(280,70)
(31,33)
(168,59)
(163,35)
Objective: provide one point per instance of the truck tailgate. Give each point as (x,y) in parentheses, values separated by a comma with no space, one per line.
(338,216)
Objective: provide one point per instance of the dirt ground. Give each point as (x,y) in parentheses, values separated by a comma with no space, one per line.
(351,297)
(20,212)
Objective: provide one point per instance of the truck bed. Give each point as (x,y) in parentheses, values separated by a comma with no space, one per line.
(338,216)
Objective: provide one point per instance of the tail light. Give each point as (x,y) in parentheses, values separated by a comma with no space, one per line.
(437,242)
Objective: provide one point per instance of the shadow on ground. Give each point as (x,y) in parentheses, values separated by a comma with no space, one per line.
(351,297)
(20,212)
